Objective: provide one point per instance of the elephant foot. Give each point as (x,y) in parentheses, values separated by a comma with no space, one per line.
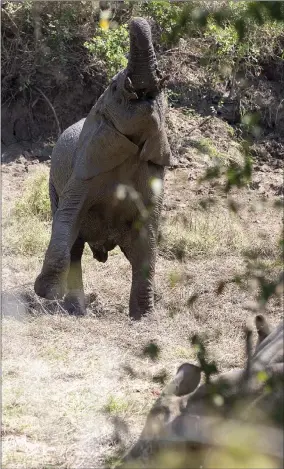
(137,313)
(142,304)
(47,287)
(74,303)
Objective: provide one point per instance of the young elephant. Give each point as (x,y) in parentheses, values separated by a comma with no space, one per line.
(122,143)
(187,413)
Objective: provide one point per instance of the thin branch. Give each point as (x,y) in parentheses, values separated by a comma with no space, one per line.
(15,28)
(52,108)
(200,125)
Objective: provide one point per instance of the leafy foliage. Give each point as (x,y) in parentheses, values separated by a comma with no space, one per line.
(241,34)
(110,46)
(240,14)
(164,13)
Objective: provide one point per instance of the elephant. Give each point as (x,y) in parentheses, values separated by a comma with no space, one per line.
(103,182)
(186,411)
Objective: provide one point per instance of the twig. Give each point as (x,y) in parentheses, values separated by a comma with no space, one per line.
(15,27)
(204,121)
(51,107)
(247,372)
(170,51)
(181,52)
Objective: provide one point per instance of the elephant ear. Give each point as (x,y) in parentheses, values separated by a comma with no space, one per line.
(101,148)
(157,149)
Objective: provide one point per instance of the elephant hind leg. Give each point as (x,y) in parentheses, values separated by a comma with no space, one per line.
(74,301)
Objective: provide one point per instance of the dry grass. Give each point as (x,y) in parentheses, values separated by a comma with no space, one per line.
(66,379)
(26,222)
(71,383)
(213,232)
(25,237)
(35,199)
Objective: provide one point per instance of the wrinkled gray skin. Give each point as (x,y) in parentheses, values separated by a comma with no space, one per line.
(122,141)
(182,411)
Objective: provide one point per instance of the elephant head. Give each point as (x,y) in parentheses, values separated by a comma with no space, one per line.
(187,413)
(128,119)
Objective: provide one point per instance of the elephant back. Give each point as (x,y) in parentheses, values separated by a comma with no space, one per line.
(63,155)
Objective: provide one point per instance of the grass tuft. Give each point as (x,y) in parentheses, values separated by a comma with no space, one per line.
(26,236)
(115,405)
(35,199)
(213,232)
(27,226)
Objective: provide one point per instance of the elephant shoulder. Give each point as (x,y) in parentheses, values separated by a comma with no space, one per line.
(64,152)
(101,147)
(68,140)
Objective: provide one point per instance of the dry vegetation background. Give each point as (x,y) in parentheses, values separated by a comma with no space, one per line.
(69,383)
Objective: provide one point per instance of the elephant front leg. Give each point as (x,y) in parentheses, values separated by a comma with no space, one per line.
(142,256)
(141,296)
(52,281)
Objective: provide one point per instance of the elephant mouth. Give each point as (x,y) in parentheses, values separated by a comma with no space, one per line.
(145,95)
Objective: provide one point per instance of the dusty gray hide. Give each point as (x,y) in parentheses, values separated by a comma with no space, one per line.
(106,182)
(187,413)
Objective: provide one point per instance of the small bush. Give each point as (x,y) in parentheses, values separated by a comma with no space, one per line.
(228,54)
(164,14)
(110,46)
(27,228)
(35,200)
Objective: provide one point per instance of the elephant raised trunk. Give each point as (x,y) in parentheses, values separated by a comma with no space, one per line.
(142,64)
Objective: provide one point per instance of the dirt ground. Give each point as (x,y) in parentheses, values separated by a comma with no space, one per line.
(70,383)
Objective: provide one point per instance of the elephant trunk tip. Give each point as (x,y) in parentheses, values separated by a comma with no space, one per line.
(140,33)
(142,63)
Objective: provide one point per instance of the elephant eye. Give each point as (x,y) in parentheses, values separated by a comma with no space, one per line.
(114,86)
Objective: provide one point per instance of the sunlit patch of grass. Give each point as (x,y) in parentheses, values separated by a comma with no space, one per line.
(26,236)
(78,403)
(54,353)
(204,233)
(16,411)
(211,232)
(182,352)
(35,199)
(207,147)
(27,225)
(115,405)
